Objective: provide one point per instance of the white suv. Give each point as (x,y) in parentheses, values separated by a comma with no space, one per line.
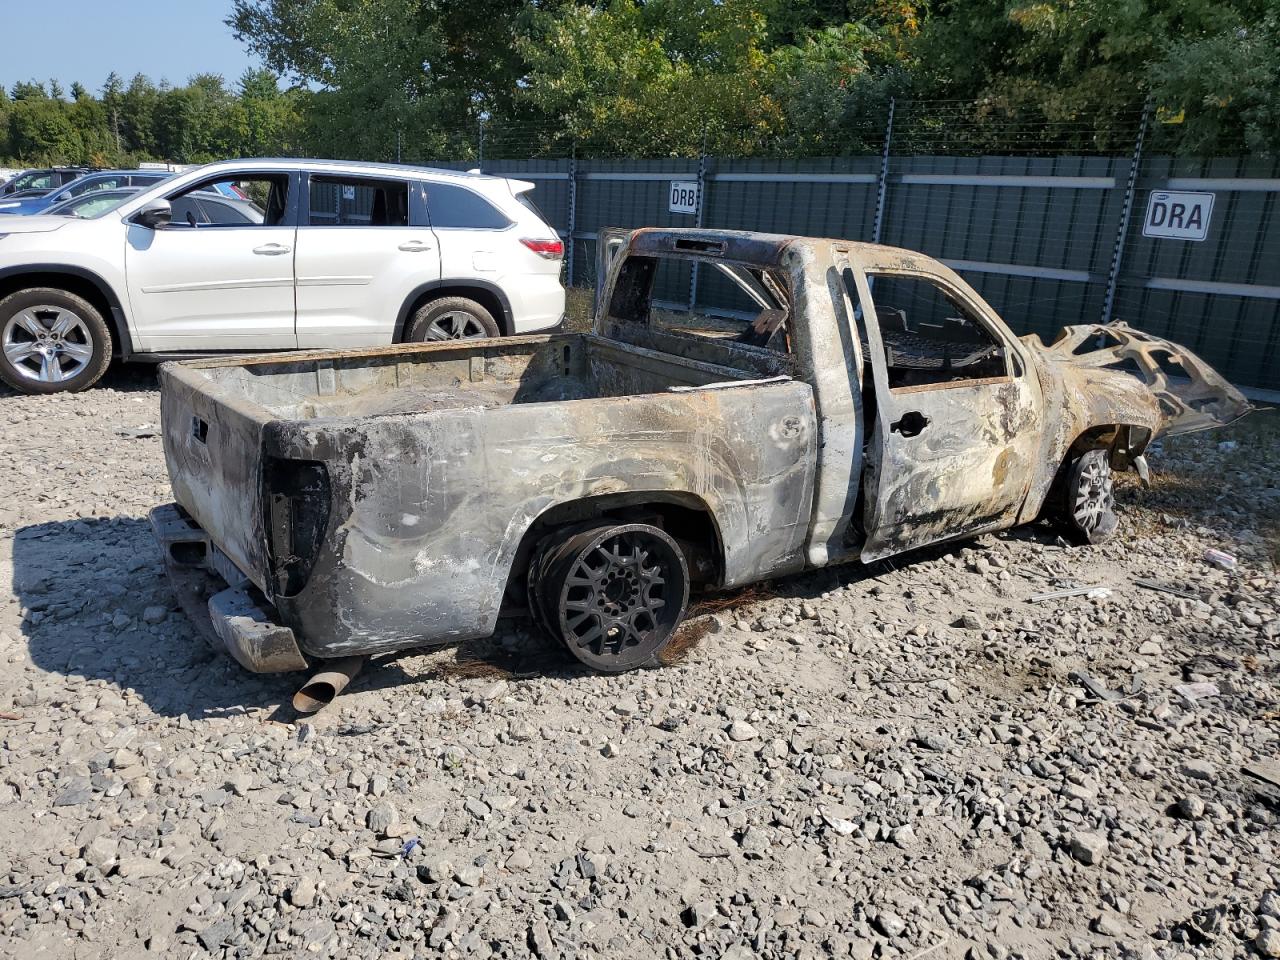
(310,254)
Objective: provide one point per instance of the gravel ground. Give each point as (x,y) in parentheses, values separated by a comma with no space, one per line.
(908,760)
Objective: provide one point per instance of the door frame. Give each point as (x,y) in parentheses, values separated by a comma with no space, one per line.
(610,242)
(891,402)
(291,199)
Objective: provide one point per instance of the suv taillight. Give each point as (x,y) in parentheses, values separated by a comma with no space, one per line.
(547,249)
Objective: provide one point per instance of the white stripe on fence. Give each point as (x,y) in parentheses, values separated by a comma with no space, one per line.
(1001,180)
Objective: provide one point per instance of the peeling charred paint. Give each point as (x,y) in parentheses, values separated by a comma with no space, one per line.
(436,463)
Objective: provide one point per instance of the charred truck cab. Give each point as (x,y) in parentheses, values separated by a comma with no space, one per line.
(823,401)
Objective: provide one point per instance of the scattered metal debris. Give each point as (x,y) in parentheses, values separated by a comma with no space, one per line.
(1191,692)
(1221,560)
(1166,588)
(1093,593)
(1096,689)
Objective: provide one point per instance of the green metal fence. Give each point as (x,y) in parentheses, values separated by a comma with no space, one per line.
(1049,239)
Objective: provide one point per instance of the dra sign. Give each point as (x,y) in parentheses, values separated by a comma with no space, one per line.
(1178,216)
(684,197)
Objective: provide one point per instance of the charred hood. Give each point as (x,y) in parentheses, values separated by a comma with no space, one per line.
(1191,394)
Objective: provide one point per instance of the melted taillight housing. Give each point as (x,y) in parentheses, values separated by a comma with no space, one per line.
(297,502)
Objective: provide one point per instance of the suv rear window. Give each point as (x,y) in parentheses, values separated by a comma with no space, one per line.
(451,206)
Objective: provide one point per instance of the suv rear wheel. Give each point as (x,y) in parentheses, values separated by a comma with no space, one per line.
(451,318)
(51,341)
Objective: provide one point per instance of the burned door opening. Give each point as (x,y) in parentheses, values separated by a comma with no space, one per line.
(954,430)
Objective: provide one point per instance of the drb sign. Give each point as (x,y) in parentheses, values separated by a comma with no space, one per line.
(1178,216)
(684,197)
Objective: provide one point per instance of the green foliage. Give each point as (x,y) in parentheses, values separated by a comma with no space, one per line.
(834,87)
(200,121)
(420,80)
(1222,88)
(668,77)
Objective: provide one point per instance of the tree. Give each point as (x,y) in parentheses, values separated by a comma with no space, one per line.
(267,119)
(1091,63)
(137,115)
(113,104)
(1222,88)
(193,124)
(834,85)
(390,70)
(29,90)
(41,131)
(661,78)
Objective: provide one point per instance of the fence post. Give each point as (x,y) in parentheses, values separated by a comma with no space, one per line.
(573,211)
(884,174)
(1117,255)
(480,147)
(697,218)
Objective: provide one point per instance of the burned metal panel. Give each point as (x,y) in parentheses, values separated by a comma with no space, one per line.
(1192,396)
(429,511)
(946,459)
(1077,401)
(212,439)
(831,359)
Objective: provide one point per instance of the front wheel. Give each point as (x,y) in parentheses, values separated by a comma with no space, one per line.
(51,341)
(451,318)
(1087,507)
(613,595)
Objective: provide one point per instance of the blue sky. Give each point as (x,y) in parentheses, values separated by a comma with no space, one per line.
(86,39)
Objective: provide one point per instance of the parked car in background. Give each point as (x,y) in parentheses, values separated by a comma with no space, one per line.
(107,180)
(34,182)
(196,209)
(92,204)
(320,254)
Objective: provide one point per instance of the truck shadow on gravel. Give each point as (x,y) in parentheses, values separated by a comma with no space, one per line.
(120,377)
(100,608)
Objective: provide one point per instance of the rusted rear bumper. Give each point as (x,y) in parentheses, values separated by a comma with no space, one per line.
(224,607)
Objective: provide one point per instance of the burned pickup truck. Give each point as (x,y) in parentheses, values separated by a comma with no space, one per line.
(825,401)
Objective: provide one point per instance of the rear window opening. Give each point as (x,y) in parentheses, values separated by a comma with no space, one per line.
(730,301)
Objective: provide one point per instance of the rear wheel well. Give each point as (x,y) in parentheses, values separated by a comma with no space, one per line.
(685,517)
(81,286)
(486,298)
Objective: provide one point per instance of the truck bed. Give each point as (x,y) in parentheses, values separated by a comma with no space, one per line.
(408,476)
(428,378)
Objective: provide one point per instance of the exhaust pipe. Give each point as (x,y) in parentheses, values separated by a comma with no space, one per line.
(321,689)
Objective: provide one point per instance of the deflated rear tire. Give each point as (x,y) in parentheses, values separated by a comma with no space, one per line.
(613,595)
(1087,508)
(51,341)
